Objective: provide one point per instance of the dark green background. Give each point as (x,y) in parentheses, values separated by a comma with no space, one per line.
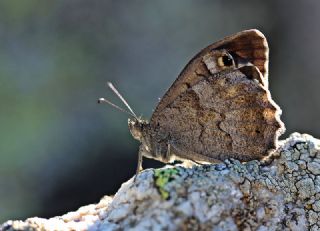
(58,148)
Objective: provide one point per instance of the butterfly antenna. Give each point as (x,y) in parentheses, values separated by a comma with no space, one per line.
(103,100)
(110,85)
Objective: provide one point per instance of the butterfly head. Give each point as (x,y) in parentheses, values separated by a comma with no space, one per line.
(136,125)
(138,128)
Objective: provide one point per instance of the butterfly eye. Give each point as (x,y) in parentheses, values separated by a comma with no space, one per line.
(225,60)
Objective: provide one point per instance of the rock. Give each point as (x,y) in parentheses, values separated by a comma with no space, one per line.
(281,195)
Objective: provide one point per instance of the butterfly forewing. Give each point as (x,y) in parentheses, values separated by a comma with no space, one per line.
(250,45)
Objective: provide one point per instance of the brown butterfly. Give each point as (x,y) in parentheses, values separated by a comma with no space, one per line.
(219,107)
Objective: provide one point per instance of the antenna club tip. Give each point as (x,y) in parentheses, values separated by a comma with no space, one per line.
(100,100)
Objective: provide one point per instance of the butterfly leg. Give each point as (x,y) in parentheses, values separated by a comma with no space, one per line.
(139,164)
(196,162)
(188,160)
(142,152)
(168,150)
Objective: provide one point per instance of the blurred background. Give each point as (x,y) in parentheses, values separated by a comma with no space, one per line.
(59,149)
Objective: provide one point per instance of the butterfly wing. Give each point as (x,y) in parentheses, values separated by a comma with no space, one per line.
(250,45)
(228,114)
(208,114)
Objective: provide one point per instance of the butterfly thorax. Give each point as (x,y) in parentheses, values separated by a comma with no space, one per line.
(142,131)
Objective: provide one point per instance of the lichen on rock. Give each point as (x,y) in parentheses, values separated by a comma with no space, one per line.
(283,194)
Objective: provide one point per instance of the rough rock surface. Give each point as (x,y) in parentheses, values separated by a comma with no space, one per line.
(281,195)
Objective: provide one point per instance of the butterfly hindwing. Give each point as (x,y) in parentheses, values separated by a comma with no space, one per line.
(225,115)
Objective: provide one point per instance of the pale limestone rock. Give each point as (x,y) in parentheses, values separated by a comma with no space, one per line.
(281,195)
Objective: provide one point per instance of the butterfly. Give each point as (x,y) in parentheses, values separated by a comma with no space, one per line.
(219,107)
